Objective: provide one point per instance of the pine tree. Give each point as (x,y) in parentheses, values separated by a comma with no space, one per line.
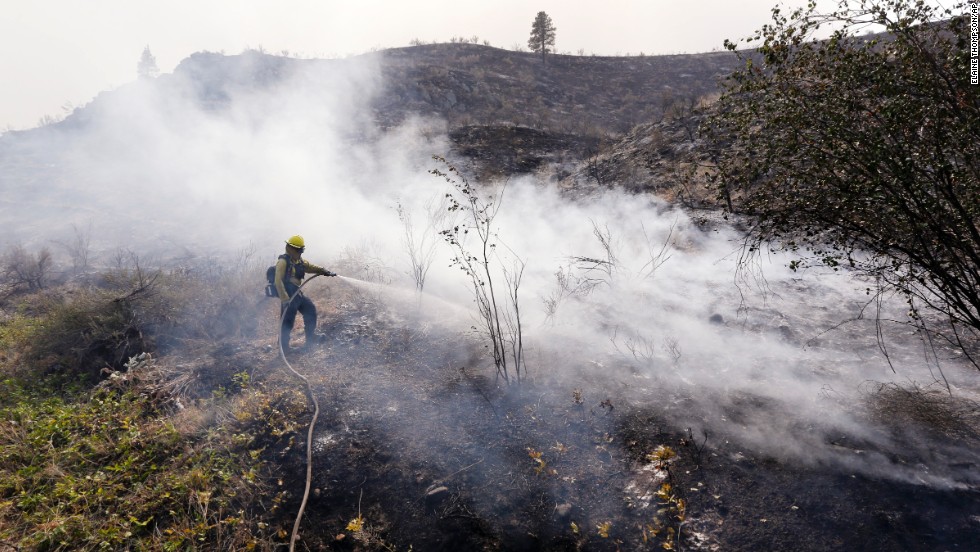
(542,34)
(147,66)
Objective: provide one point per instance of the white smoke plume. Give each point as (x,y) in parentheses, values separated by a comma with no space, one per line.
(175,168)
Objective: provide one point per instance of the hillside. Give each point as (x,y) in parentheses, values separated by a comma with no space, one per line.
(468,84)
(655,393)
(504,113)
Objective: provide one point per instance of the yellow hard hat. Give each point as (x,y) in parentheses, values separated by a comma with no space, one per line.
(297,242)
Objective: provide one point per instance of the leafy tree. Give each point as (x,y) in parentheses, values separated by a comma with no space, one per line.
(147,66)
(542,35)
(862,150)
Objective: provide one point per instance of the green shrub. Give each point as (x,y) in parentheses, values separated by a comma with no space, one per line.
(111,473)
(86,465)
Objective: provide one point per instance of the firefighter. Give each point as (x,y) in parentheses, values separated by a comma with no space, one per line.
(291,268)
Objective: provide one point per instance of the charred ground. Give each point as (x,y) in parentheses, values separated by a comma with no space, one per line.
(419,447)
(432,454)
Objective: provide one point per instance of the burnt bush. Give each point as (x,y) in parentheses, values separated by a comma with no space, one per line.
(21,269)
(84,332)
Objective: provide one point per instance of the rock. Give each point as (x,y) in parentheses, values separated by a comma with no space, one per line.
(716,319)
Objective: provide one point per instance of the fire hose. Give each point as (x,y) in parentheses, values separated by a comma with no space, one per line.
(316,414)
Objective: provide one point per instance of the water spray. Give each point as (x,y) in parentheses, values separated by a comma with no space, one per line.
(355,280)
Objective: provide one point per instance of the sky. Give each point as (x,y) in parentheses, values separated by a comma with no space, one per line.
(59,54)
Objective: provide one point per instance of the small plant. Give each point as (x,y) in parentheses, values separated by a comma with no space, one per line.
(356,525)
(540,466)
(672,509)
(662,456)
(79,248)
(242,380)
(689,441)
(421,250)
(603,529)
(499,309)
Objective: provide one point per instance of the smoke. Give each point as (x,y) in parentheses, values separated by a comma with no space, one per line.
(621,294)
(778,361)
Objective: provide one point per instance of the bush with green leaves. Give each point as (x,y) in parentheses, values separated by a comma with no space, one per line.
(79,335)
(862,150)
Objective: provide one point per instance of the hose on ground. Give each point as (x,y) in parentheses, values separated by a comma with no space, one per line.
(316,414)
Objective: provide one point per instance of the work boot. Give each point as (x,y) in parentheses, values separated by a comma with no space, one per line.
(313,339)
(294,352)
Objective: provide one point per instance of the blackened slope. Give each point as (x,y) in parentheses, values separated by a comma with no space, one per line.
(473,84)
(498,151)
(466,84)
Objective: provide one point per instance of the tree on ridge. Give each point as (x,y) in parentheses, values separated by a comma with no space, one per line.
(542,38)
(147,66)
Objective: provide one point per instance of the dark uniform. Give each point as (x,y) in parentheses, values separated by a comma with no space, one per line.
(289,276)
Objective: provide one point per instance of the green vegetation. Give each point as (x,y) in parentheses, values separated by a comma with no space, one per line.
(862,150)
(104,447)
(109,471)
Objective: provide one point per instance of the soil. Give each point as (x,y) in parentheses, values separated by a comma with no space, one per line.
(420,439)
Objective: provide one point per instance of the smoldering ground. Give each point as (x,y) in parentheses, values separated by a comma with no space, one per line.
(654,309)
(621,296)
(418,433)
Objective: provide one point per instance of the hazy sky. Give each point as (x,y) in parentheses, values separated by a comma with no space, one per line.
(56,52)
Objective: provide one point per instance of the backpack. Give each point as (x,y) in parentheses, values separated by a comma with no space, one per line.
(270,287)
(270,276)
